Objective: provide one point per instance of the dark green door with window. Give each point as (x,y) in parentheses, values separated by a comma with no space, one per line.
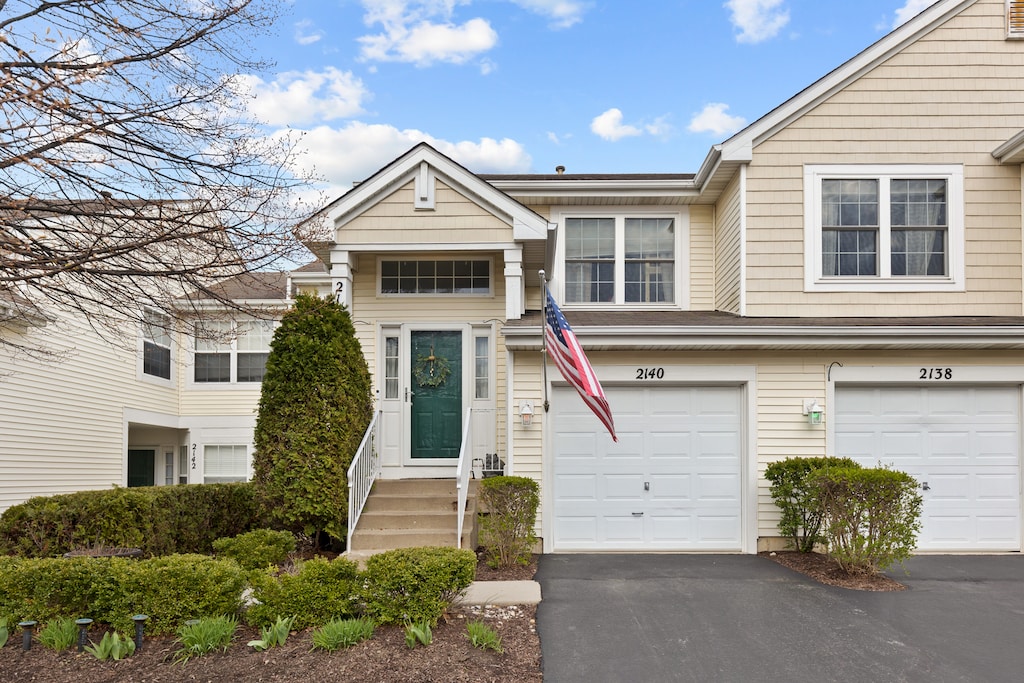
(141,467)
(436,386)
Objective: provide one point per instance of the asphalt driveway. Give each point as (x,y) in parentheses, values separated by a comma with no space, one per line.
(639,618)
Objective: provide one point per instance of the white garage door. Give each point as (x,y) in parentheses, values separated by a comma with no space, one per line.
(672,482)
(961,443)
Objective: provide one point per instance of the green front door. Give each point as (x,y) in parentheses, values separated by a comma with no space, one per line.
(436,381)
(140,467)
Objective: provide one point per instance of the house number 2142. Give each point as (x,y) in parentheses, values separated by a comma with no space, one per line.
(936,373)
(650,373)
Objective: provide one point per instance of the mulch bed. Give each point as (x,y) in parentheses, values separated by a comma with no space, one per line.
(824,569)
(384,658)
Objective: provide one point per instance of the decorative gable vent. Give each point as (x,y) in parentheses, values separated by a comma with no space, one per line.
(1015,18)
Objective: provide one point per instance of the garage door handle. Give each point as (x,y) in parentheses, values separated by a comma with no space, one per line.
(925,486)
(638,514)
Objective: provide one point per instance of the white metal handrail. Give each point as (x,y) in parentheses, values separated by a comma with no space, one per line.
(363,471)
(462,475)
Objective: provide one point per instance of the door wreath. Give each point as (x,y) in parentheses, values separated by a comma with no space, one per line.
(431,371)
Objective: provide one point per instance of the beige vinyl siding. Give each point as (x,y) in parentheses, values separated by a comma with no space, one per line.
(528,442)
(202,400)
(62,419)
(702,258)
(728,278)
(455,220)
(950,98)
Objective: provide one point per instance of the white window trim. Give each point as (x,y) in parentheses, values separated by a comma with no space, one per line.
(681,220)
(814,281)
(234,384)
(390,295)
(140,372)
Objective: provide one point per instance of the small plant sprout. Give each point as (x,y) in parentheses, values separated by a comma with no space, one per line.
(59,634)
(483,636)
(339,633)
(273,635)
(112,646)
(4,633)
(201,636)
(418,633)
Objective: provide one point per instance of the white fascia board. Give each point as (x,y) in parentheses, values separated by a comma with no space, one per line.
(1011,151)
(527,224)
(587,188)
(431,246)
(778,337)
(739,147)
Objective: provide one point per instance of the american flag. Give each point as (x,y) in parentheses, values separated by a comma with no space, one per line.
(572,362)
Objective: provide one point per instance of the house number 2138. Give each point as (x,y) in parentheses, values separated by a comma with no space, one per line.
(936,373)
(650,373)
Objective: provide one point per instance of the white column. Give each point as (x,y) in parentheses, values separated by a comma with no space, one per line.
(515,287)
(341,276)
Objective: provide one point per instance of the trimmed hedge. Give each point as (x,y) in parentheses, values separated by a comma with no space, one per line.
(257,549)
(872,516)
(415,584)
(320,591)
(794,495)
(110,590)
(159,520)
(506,530)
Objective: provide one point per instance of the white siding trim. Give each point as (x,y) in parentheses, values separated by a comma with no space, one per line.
(743,239)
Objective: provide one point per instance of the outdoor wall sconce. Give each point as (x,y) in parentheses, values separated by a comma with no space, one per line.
(526,412)
(814,412)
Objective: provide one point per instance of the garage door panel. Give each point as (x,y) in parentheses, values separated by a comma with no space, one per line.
(677,440)
(577,487)
(963,441)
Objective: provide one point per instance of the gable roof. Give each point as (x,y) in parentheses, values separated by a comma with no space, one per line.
(737,150)
(526,223)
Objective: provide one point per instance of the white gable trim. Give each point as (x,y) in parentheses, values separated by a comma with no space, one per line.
(740,146)
(424,165)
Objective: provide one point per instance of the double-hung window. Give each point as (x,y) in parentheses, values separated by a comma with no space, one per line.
(883,228)
(156,345)
(232,351)
(622,258)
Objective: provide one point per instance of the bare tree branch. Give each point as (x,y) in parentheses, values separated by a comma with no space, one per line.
(131,177)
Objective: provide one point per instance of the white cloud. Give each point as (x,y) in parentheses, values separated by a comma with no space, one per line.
(426,43)
(910,10)
(757,20)
(714,119)
(296,98)
(357,150)
(609,126)
(306,33)
(562,13)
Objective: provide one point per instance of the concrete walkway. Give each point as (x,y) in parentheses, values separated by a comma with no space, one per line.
(744,618)
(501,593)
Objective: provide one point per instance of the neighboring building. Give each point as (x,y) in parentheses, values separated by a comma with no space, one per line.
(860,247)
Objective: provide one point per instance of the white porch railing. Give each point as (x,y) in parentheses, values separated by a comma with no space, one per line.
(462,474)
(365,468)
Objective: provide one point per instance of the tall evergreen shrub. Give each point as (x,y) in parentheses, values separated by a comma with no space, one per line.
(314,407)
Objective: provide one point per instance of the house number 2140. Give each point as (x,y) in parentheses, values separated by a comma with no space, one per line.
(650,373)
(936,373)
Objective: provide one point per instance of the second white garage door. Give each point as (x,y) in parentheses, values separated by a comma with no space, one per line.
(961,442)
(673,482)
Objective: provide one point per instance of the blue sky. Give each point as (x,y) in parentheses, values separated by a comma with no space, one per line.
(520,86)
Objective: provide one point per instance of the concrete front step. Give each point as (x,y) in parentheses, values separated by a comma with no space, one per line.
(405,519)
(409,502)
(418,486)
(388,539)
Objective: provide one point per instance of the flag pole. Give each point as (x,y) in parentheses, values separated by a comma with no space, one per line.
(544,335)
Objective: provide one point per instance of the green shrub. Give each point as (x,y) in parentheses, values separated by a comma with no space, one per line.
(258,548)
(318,592)
(483,636)
(871,516)
(159,520)
(415,584)
(315,406)
(506,530)
(339,633)
(795,497)
(110,590)
(203,636)
(59,634)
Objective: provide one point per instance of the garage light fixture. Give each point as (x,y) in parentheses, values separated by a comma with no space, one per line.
(526,412)
(814,412)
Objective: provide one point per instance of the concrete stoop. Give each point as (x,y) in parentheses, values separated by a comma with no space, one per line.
(406,513)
